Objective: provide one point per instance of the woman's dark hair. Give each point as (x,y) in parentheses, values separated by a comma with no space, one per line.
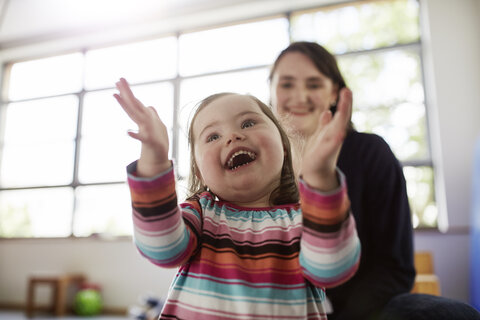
(285,193)
(321,58)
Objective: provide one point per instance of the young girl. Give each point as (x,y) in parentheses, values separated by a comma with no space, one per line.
(245,246)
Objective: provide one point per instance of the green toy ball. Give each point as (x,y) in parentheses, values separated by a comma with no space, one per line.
(88,302)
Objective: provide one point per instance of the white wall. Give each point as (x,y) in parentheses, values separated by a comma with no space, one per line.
(451,45)
(115,265)
(452,51)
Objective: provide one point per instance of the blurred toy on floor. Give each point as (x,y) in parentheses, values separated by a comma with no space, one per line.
(88,301)
(149,308)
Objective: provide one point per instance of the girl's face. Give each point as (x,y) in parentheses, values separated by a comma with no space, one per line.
(238,151)
(300,93)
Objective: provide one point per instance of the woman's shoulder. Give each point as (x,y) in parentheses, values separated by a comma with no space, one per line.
(365,139)
(366,150)
(368,144)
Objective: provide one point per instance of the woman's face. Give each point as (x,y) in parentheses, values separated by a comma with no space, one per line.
(300,93)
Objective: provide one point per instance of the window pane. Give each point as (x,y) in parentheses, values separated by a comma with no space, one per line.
(46,77)
(402,126)
(138,62)
(389,99)
(194,90)
(103,209)
(244,45)
(36,212)
(421,194)
(105,160)
(39,142)
(40,164)
(360,26)
(181,186)
(105,148)
(383,78)
(53,119)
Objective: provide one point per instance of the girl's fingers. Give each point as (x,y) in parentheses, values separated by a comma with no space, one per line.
(325,118)
(124,88)
(323,121)
(126,107)
(134,135)
(325,145)
(344,106)
(132,106)
(127,95)
(339,123)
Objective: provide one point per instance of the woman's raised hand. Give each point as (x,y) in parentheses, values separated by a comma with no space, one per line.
(321,151)
(151,132)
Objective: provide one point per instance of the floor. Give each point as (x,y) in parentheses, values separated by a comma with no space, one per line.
(19,315)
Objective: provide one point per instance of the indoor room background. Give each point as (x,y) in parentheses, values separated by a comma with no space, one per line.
(413,66)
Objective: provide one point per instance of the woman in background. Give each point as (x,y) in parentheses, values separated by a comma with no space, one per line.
(304,82)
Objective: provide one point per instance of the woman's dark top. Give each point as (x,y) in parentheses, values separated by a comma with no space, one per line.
(378,196)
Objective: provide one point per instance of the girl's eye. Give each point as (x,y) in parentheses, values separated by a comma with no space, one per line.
(286,85)
(212,137)
(248,124)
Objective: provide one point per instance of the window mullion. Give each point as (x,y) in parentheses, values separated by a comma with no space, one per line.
(75,181)
(176,102)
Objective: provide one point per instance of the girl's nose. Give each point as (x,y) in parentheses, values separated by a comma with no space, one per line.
(235,136)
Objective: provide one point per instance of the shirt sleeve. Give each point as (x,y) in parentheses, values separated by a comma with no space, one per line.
(330,248)
(163,231)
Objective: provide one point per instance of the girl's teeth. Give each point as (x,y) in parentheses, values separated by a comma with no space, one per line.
(230,161)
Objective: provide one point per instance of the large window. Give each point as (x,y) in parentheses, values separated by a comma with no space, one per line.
(63,137)
(378,48)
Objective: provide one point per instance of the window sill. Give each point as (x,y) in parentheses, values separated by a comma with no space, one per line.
(74,238)
(451,230)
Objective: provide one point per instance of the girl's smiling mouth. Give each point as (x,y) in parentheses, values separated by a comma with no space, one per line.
(240,158)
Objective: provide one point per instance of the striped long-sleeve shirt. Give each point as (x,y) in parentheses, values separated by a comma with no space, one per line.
(245,263)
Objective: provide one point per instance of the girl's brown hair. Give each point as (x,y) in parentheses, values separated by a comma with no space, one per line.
(285,193)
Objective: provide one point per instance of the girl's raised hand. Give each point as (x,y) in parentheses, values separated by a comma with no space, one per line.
(321,151)
(151,132)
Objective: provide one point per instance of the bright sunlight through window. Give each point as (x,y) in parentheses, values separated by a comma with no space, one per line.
(63,137)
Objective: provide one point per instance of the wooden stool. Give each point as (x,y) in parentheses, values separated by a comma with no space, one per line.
(59,285)
(426,281)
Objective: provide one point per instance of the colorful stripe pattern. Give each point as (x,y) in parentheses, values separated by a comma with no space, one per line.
(245,263)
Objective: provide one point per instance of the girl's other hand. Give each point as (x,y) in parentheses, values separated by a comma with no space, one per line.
(151,132)
(322,148)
